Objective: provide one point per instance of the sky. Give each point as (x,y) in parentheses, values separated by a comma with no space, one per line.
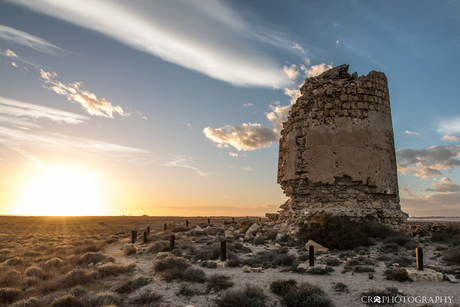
(175,107)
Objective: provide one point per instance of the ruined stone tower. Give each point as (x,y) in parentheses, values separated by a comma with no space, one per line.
(337,150)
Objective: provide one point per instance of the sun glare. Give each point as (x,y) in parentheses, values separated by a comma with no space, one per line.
(62,193)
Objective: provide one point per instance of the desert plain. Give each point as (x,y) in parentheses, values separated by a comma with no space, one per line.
(91,261)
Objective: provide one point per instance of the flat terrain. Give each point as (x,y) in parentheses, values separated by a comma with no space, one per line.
(90,261)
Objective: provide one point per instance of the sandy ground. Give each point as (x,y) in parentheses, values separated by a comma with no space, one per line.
(356,282)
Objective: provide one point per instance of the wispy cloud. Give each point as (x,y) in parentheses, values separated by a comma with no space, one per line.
(248,104)
(25,111)
(14,64)
(450,137)
(10,53)
(211,37)
(185,162)
(189,125)
(451,125)
(337,42)
(233,154)
(26,39)
(411,132)
(76,93)
(297,46)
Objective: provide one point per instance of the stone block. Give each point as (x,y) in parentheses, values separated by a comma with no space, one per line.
(427,275)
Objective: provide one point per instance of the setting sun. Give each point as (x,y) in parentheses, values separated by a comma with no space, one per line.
(63,193)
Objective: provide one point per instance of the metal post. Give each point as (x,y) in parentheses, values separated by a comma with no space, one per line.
(148,229)
(165,227)
(186,223)
(223,250)
(311,256)
(209,221)
(419,255)
(133,236)
(171,242)
(145,237)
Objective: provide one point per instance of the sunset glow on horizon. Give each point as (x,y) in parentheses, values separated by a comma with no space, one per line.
(60,194)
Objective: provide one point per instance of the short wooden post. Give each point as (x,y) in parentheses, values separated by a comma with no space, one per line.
(233,219)
(259,220)
(148,229)
(145,237)
(419,255)
(223,250)
(165,227)
(171,242)
(186,223)
(209,221)
(311,256)
(133,236)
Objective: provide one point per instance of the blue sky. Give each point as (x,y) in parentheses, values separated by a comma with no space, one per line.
(175,107)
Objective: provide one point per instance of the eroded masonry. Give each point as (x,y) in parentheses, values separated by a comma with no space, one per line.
(337,150)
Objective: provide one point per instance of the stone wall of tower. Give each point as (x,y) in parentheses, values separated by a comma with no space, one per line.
(337,150)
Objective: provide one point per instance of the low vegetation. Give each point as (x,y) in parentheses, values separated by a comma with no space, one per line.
(327,230)
(249,296)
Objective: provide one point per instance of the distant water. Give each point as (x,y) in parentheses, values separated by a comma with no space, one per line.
(434,219)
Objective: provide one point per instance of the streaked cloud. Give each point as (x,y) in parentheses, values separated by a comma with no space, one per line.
(291,72)
(10,53)
(76,93)
(451,125)
(450,137)
(315,70)
(29,40)
(244,137)
(411,132)
(426,163)
(24,112)
(446,187)
(60,142)
(184,162)
(210,38)
(404,190)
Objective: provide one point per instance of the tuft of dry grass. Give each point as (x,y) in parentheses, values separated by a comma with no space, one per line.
(111,269)
(9,295)
(218,282)
(129,250)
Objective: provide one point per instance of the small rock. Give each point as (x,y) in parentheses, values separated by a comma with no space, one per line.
(246,269)
(451,278)
(395,264)
(249,236)
(257,270)
(253,229)
(277,245)
(318,247)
